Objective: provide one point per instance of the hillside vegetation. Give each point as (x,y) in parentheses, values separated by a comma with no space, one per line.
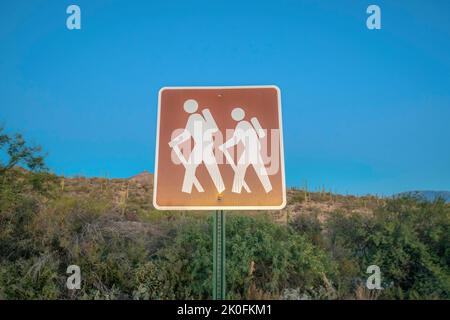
(319,247)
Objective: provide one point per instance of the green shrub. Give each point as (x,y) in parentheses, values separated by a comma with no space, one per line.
(34,278)
(168,255)
(310,226)
(408,240)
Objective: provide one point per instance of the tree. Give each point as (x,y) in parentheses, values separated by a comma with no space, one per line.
(17,152)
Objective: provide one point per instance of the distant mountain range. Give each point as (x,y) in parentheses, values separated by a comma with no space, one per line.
(426,195)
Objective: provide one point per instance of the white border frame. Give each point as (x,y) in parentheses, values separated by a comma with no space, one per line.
(280,124)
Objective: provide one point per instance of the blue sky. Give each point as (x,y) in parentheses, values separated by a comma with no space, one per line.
(364,111)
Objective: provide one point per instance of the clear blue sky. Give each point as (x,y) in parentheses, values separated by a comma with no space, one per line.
(364,111)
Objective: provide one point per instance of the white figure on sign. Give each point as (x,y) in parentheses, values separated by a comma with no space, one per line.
(201,127)
(247,133)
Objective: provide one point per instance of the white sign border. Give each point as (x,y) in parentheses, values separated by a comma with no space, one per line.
(280,124)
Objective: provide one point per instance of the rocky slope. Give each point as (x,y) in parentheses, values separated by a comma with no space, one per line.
(134,195)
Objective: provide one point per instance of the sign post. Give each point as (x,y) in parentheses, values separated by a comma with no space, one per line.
(219,148)
(219,256)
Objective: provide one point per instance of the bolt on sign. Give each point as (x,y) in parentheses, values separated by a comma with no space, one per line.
(219,148)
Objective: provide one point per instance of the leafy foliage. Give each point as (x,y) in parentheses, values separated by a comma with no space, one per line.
(407,239)
(150,255)
(19,153)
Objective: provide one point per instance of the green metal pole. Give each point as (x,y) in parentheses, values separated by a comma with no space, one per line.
(219,256)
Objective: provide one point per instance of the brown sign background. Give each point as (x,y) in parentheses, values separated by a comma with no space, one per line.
(262,102)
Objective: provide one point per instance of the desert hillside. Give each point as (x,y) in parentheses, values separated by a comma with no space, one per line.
(133,195)
(318,247)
